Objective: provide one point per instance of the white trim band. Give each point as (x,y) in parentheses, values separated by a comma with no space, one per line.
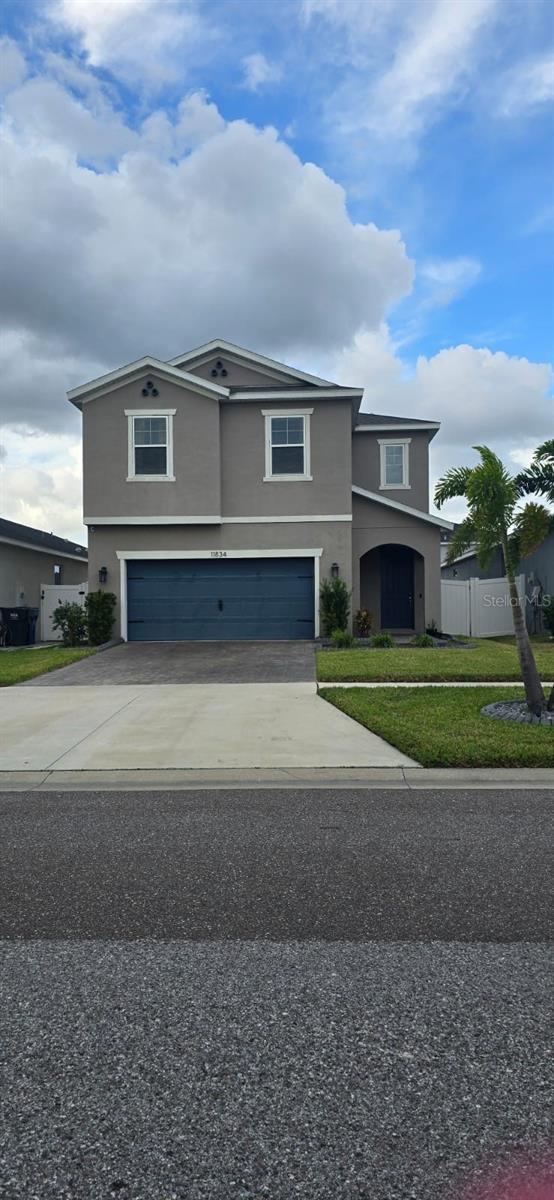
(308,519)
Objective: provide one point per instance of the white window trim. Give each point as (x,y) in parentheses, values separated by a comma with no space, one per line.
(169,414)
(268,414)
(125,555)
(395,487)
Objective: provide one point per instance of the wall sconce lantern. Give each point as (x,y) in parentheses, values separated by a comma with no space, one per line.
(102,574)
(334,570)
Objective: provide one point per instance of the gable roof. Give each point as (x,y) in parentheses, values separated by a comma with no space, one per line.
(217,346)
(114,379)
(406,508)
(37,539)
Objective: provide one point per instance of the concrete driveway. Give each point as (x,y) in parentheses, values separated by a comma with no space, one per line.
(180,706)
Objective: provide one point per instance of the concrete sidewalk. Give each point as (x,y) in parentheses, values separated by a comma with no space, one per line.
(183,727)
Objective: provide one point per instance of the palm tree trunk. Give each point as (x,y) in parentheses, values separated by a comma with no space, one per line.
(533,689)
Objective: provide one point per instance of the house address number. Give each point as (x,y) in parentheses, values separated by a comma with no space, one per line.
(219,554)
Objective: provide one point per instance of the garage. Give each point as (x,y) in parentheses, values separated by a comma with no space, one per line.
(220,599)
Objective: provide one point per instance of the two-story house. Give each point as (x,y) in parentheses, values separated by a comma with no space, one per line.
(221,487)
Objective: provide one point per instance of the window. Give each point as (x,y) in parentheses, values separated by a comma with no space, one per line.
(394,463)
(150,444)
(287,452)
(57,574)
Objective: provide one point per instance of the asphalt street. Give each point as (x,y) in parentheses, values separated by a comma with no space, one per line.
(276,994)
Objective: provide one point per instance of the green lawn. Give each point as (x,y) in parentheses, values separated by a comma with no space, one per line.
(443,727)
(488,661)
(18,665)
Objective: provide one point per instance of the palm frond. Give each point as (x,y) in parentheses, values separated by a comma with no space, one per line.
(531,527)
(538,479)
(545,452)
(452,484)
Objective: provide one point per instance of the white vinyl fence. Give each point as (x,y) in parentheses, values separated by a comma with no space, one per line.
(52,594)
(478,607)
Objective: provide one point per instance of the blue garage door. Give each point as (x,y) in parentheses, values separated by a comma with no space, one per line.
(220,599)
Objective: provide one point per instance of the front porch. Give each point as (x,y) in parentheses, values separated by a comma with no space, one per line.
(392,587)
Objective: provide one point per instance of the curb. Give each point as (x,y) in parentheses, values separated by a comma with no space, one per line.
(440,683)
(394,778)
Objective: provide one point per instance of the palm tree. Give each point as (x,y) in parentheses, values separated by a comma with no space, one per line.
(494,520)
(539,477)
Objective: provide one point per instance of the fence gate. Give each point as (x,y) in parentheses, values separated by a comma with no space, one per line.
(52,594)
(478,607)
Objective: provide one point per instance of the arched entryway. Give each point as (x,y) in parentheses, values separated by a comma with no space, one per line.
(392,587)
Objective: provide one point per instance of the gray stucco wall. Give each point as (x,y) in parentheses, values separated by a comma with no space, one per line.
(218,458)
(366,466)
(243,489)
(375,525)
(196,490)
(333,538)
(23,571)
(239,375)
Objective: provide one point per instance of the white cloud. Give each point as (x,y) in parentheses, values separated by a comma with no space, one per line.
(478,395)
(13,67)
(445,279)
(142,40)
(237,238)
(412,60)
(43,110)
(258,71)
(41,483)
(526,86)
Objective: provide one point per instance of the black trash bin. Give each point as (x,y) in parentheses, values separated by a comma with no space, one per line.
(14,626)
(32,618)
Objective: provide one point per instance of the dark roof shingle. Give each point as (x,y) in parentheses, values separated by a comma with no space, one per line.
(15,532)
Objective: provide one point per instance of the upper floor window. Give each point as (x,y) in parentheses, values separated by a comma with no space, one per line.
(395,467)
(150,444)
(287,444)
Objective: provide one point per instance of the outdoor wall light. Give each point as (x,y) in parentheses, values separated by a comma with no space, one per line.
(334,570)
(102,574)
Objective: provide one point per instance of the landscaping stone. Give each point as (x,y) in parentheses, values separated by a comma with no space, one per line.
(516,710)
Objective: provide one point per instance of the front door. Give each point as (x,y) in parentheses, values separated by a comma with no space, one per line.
(397,587)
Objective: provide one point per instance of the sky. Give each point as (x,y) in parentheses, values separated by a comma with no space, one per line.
(361,188)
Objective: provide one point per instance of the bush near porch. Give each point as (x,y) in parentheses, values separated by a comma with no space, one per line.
(487,661)
(444,727)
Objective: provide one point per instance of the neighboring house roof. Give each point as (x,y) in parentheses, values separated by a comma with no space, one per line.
(460,558)
(37,539)
(114,379)
(374,422)
(219,347)
(412,512)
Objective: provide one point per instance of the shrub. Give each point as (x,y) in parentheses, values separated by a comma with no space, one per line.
(422,639)
(382,641)
(548,614)
(334,605)
(99,608)
(432,629)
(341,639)
(70,619)
(364,621)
